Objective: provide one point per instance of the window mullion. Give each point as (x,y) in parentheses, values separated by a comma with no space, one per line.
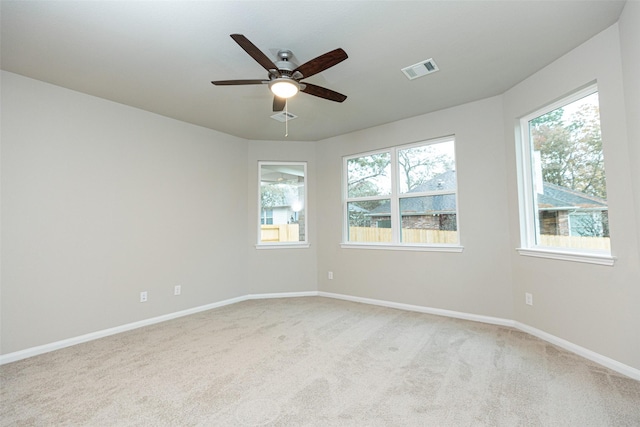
(528,213)
(396,226)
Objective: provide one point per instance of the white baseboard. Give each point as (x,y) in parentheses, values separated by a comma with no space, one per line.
(41,349)
(422,309)
(569,346)
(283,295)
(581,351)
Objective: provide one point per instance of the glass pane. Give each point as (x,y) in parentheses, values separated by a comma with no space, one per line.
(569,178)
(369,175)
(429,219)
(427,168)
(282,199)
(369,221)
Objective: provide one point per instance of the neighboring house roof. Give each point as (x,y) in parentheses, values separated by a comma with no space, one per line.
(556,197)
(441,203)
(444,181)
(354,208)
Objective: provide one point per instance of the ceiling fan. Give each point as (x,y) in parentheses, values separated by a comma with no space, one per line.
(284,78)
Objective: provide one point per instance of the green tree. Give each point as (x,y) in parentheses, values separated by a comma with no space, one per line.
(571,149)
(366,175)
(272,195)
(419,164)
(552,118)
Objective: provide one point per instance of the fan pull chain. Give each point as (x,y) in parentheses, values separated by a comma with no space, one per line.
(286,118)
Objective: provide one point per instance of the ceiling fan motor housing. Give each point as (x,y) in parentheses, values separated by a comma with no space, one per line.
(285,67)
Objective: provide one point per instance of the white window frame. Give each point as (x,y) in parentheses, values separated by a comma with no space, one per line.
(527,199)
(394,197)
(283,245)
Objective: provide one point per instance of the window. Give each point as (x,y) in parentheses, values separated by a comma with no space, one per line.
(563,190)
(282,204)
(266,216)
(405,196)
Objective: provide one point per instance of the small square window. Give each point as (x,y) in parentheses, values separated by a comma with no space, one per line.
(282,203)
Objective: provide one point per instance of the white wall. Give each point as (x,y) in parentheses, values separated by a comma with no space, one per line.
(101,201)
(479,279)
(593,306)
(630,49)
(281,270)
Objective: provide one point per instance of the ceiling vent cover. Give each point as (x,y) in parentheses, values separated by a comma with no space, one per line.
(420,69)
(283,116)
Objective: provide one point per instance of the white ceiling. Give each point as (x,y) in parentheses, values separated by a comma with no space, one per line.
(162,56)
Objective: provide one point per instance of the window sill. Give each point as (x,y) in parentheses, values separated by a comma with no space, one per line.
(589,258)
(390,247)
(282,246)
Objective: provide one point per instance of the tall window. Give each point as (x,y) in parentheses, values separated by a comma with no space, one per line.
(563,186)
(404,195)
(282,203)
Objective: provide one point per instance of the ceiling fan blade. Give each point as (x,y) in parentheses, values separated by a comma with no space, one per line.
(256,53)
(278,103)
(322,62)
(239,82)
(323,92)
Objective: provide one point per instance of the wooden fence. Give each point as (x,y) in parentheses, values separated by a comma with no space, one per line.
(575,242)
(280,233)
(381,235)
(369,234)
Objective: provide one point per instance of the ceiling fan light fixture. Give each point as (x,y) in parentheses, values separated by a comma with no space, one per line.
(284,87)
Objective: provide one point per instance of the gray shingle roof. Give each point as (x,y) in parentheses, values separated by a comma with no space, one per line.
(556,196)
(442,203)
(444,181)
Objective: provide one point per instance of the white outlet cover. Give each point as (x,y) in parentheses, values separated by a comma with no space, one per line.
(528,298)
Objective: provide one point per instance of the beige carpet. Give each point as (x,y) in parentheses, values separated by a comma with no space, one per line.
(316,362)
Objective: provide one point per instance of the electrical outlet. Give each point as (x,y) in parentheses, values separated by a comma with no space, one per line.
(528,298)
(330,275)
(143,296)
(177,290)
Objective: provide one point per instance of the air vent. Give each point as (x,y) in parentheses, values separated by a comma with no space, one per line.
(283,116)
(420,69)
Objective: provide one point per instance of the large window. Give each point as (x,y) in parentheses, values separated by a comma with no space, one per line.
(282,203)
(402,196)
(563,189)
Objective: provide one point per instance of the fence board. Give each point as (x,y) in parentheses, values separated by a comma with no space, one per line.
(280,233)
(409,235)
(383,235)
(575,242)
